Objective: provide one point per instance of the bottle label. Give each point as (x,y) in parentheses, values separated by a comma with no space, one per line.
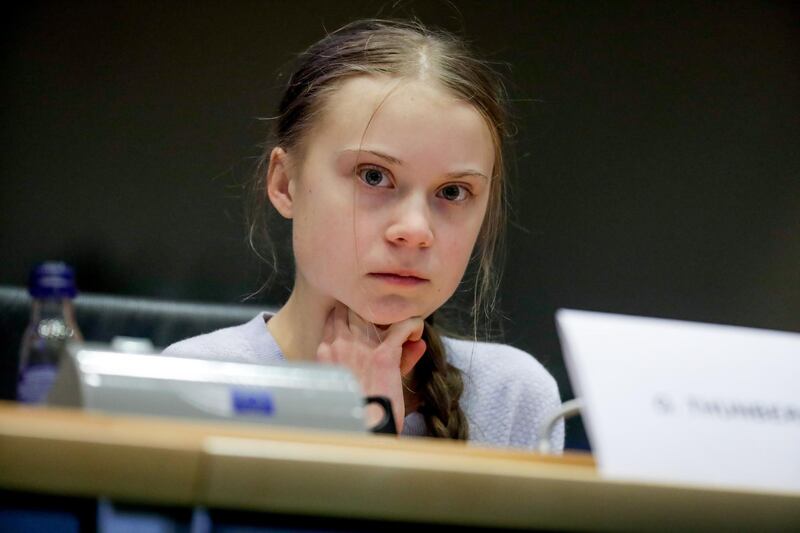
(35,382)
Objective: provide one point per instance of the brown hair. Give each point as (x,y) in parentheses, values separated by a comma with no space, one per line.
(405,49)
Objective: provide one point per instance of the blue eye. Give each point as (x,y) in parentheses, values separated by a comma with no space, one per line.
(455,193)
(374,177)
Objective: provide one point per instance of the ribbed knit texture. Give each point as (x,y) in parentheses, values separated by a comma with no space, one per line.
(507,393)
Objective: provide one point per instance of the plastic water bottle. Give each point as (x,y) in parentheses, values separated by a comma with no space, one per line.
(51,326)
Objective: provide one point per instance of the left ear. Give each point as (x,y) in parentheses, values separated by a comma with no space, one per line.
(280,185)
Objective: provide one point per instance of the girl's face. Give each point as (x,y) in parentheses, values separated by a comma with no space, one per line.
(389,197)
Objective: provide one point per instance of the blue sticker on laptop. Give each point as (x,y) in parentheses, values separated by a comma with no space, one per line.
(252,402)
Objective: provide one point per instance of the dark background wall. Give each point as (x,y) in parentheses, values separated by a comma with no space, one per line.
(657,159)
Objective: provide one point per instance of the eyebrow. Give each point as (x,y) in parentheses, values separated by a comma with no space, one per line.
(464,173)
(395,161)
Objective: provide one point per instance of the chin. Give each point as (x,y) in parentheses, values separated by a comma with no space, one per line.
(387,313)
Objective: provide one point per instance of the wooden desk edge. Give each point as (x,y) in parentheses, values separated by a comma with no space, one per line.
(283,470)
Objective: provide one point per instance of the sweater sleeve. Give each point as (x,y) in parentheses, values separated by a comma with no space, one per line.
(507,395)
(246,343)
(534,404)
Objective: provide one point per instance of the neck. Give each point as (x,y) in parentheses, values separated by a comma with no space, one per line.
(297,327)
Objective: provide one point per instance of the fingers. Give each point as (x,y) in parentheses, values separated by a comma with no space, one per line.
(324,353)
(412,353)
(363,328)
(340,320)
(348,322)
(378,357)
(408,330)
(401,342)
(407,334)
(328,332)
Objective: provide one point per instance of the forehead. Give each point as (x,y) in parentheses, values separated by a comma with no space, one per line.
(410,119)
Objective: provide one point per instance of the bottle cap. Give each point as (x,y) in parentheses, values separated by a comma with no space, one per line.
(52,279)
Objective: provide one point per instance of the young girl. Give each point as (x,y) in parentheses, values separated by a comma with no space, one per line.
(388,162)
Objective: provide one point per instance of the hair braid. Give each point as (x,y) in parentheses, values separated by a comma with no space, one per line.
(440,387)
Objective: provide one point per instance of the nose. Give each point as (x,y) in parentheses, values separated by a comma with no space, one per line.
(412,225)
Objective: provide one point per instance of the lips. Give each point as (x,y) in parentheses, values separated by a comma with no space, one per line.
(401,274)
(400,277)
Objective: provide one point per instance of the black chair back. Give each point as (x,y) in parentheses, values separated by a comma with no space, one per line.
(103,317)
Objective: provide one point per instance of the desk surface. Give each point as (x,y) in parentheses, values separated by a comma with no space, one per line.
(173,462)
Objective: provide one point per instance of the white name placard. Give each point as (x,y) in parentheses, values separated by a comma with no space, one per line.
(685,402)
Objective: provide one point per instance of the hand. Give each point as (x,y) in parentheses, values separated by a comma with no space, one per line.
(379,358)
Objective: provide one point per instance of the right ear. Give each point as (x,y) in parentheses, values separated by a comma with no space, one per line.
(280,186)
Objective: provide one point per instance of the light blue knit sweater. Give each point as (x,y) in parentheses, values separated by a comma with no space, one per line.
(507,393)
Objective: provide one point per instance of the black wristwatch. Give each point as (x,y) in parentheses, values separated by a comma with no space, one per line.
(387,424)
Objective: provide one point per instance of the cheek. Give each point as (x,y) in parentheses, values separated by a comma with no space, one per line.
(322,236)
(332,244)
(460,235)
(324,253)
(455,257)
(457,245)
